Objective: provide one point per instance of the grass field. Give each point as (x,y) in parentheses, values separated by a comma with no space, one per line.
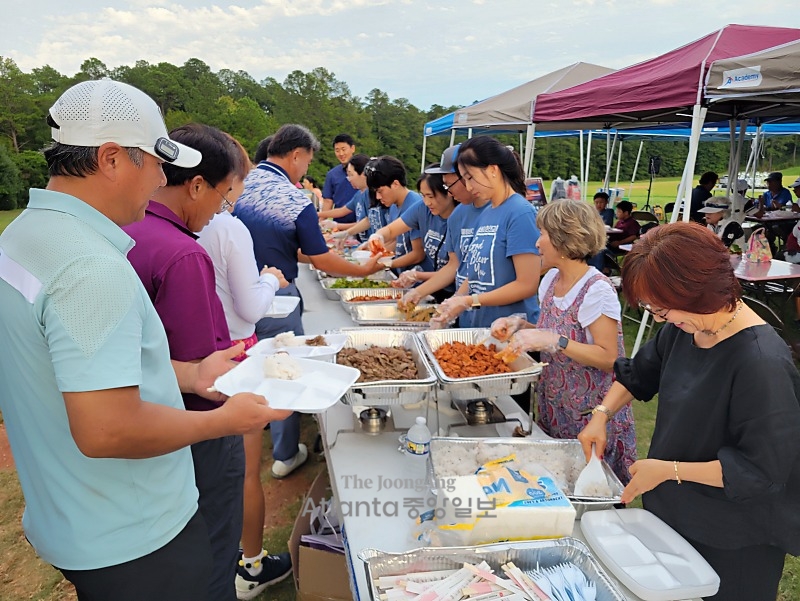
(24,576)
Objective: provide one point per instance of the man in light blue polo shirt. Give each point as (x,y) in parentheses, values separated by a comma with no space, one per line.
(89,396)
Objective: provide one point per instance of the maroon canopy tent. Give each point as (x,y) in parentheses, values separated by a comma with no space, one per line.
(664,88)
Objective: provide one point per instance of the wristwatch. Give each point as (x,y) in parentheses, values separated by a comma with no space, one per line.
(475,302)
(604,410)
(563,341)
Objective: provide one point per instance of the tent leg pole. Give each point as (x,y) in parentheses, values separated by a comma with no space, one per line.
(619,163)
(422,162)
(698,118)
(580,153)
(640,334)
(588,156)
(635,168)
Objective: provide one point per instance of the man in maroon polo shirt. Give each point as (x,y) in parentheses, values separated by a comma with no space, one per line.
(626,223)
(179,277)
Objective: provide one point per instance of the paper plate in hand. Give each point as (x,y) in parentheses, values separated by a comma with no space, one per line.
(282,306)
(319,387)
(267,347)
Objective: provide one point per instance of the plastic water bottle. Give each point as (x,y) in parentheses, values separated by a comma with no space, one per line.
(418,439)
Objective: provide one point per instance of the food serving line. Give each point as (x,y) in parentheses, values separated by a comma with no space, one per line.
(380,488)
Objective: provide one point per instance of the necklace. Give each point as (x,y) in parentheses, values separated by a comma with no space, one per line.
(739,305)
(571,284)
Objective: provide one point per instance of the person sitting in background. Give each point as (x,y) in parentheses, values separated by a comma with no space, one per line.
(601,204)
(701,193)
(386,177)
(723,468)
(629,226)
(579,332)
(717,212)
(776,196)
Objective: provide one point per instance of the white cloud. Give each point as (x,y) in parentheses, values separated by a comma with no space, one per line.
(452,52)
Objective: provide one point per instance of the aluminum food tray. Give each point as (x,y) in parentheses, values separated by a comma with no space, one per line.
(524,369)
(382,314)
(525,555)
(581,504)
(381,295)
(384,393)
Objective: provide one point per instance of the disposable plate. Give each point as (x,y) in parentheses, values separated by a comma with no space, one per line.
(319,387)
(282,306)
(646,555)
(267,347)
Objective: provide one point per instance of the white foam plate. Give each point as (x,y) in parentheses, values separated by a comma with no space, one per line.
(319,387)
(282,306)
(646,555)
(267,347)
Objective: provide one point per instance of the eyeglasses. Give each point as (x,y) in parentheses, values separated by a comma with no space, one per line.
(450,187)
(226,204)
(660,313)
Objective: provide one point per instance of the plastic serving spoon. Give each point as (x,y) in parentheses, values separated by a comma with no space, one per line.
(590,477)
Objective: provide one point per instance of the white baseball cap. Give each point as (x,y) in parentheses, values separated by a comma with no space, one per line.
(715,205)
(92,113)
(796,183)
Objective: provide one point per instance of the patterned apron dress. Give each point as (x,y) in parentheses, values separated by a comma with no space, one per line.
(568,391)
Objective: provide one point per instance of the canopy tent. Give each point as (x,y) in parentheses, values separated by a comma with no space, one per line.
(510,111)
(662,89)
(667,88)
(762,84)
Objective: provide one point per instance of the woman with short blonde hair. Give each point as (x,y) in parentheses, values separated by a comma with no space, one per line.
(579,331)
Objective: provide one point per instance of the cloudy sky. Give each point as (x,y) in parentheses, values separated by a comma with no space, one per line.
(431,52)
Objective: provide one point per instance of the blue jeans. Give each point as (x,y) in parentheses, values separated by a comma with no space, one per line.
(286,433)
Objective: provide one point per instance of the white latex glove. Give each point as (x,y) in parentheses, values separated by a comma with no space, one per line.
(339,234)
(534,340)
(412,297)
(377,237)
(449,311)
(504,327)
(386,262)
(406,279)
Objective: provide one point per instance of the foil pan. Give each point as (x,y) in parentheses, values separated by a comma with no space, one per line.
(571,447)
(382,314)
(381,295)
(525,555)
(384,393)
(524,369)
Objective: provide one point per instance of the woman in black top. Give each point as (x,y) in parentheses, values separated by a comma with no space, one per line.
(723,468)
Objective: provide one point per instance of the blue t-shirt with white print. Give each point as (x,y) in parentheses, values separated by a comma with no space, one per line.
(501,233)
(403,246)
(434,230)
(359,205)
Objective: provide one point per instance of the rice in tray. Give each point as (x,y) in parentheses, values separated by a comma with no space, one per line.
(462,460)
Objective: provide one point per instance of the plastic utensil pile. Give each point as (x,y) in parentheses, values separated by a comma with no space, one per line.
(561,582)
(564,582)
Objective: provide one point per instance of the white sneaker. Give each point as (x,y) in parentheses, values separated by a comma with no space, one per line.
(281,469)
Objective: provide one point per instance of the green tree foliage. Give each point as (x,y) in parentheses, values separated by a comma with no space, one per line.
(250,110)
(11,186)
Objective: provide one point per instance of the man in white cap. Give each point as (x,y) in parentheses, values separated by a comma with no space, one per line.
(796,188)
(717,213)
(90,398)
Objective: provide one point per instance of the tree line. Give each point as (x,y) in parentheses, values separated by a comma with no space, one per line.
(250,110)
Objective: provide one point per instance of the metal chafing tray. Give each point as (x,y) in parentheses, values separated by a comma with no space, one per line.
(388,296)
(383,314)
(524,369)
(525,555)
(572,448)
(334,293)
(389,392)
